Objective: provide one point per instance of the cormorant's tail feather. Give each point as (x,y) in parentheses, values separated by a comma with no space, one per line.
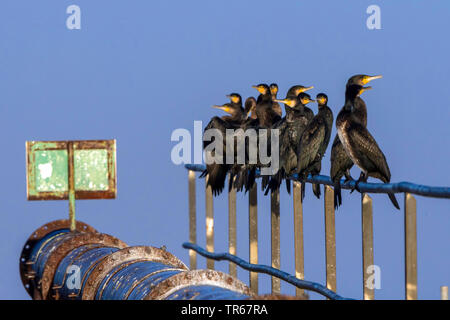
(303,190)
(337,195)
(217,174)
(250,181)
(265,180)
(393,200)
(204,173)
(275,182)
(316,190)
(288,185)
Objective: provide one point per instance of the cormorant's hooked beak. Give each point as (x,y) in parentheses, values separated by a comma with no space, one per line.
(363,89)
(370,78)
(306,101)
(288,102)
(224,108)
(303,89)
(260,89)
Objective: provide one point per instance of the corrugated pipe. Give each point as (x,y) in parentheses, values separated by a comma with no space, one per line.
(58,264)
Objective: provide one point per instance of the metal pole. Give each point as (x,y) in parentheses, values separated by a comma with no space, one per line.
(232,227)
(410,247)
(253,235)
(209,224)
(444,293)
(367,243)
(298,236)
(330,238)
(192,219)
(275,237)
(71,178)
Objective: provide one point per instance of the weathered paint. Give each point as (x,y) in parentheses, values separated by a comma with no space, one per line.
(94,163)
(108,269)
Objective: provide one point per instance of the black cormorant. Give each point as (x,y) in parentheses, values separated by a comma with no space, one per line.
(217,172)
(291,130)
(340,161)
(275,105)
(359,144)
(314,142)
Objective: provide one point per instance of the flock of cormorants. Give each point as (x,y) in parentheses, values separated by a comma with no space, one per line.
(303,139)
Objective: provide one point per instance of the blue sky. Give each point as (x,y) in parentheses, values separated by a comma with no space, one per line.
(137,70)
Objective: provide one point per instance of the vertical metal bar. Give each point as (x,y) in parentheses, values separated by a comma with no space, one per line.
(71,178)
(192,219)
(298,236)
(330,238)
(232,227)
(444,293)
(253,235)
(275,237)
(410,247)
(367,243)
(209,224)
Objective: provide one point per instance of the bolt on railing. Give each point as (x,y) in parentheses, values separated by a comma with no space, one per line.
(410,226)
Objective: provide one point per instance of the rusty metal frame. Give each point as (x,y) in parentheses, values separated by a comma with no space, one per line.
(109,145)
(197,277)
(330,238)
(298,236)
(74,240)
(253,235)
(128,254)
(25,263)
(209,222)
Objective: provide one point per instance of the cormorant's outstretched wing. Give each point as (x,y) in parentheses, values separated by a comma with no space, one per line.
(366,150)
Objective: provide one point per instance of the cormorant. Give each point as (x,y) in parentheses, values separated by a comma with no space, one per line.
(340,161)
(291,130)
(266,116)
(292,93)
(239,172)
(264,108)
(275,105)
(359,144)
(314,142)
(217,172)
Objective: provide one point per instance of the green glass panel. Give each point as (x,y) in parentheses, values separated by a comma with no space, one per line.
(51,170)
(91,169)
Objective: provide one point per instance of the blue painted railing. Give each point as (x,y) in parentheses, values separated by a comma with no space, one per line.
(302,284)
(367,187)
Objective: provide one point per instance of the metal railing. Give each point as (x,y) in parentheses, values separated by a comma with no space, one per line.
(410,224)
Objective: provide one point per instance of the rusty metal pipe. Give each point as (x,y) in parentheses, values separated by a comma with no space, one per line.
(56,263)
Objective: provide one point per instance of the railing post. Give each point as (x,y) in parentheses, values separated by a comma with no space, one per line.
(367,243)
(298,236)
(192,219)
(209,223)
(410,247)
(253,235)
(330,238)
(444,293)
(275,237)
(232,227)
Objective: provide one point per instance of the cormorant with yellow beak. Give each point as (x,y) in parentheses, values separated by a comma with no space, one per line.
(314,142)
(217,172)
(359,144)
(275,105)
(291,113)
(290,132)
(340,161)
